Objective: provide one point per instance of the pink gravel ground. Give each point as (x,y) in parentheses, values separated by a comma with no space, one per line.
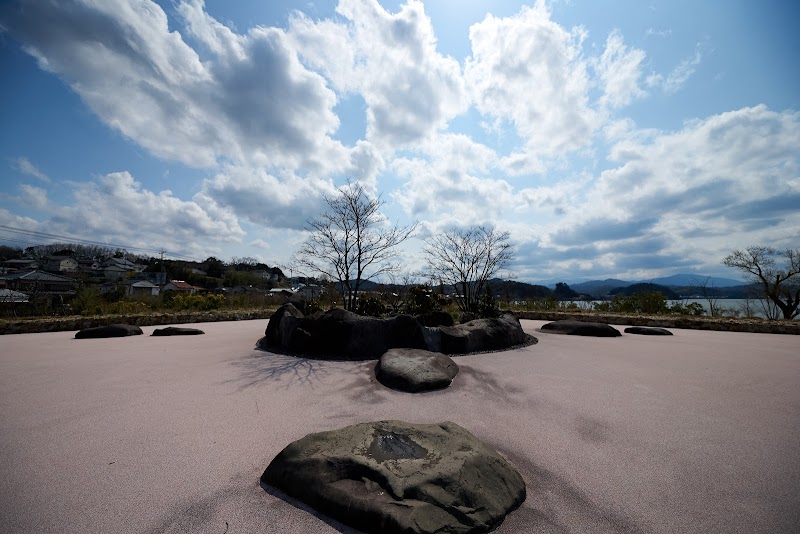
(698,432)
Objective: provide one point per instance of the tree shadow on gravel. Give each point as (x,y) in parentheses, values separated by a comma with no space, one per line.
(486,384)
(271,368)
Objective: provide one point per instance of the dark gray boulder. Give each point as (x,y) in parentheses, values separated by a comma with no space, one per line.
(436,318)
(647,331)
(396,477)
(480,335)
(111,330)
(279,332)
(340,334)
(415,370)
(581,328)
(177,331)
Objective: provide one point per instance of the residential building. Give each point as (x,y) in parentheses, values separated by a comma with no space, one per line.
(23,264)
(39,282)
(60,264)
(180,286)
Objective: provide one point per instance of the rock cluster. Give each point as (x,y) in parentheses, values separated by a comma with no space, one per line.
(341,334)
(397,477)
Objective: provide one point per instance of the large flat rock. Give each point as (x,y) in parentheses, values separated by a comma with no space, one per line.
(415,370)
(396,477)
(111,330)
(581,328)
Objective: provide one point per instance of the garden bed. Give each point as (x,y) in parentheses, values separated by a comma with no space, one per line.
(78,322)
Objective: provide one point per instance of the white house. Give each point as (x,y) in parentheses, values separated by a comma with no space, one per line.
(60,264)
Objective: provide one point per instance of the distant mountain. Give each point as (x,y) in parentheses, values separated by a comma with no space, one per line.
(599,288)
(695,280)
(645,287)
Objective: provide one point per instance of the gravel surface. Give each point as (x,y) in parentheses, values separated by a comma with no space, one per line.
(696,432)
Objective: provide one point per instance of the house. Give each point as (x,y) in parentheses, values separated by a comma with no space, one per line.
(24,264)
(158,278)
(133,288)
(115,268)
(309,291)
(9,295)
(142,288)
(281,292)
(39,282)
(88,265)
(180,286)
(60,264)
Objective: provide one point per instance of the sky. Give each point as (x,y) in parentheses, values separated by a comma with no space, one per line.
(626,138)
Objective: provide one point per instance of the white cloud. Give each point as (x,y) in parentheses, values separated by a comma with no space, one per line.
(620,69)
(115,208)
(26,167)
(33,196)
(264,199)
(530,71)
(410,89)
(248,99)
(677,78)
(658,32)
(720,183)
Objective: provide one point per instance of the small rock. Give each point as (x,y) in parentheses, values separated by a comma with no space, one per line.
(415,370)
(176,331)
(648,331)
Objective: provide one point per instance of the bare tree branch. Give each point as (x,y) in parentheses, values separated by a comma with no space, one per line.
(466,260)
(351,242)
(780,285)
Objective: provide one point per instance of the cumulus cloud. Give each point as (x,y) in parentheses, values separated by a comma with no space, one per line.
(723,182)
(529,71)
(117,209)
(247,99)
(619,69)
(410,89)
(265,199)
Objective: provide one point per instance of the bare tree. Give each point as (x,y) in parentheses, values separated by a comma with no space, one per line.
(466,260)
(710,295)
(351,242)
(780,285)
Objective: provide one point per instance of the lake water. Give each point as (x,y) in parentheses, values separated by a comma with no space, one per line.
(728,307)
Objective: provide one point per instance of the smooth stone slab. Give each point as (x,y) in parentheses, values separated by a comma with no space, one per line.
(581,328)
(177,331)
(648,331)
(415,370)
(111,330)
(397,477)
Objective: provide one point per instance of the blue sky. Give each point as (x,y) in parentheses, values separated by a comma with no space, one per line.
(630,139)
